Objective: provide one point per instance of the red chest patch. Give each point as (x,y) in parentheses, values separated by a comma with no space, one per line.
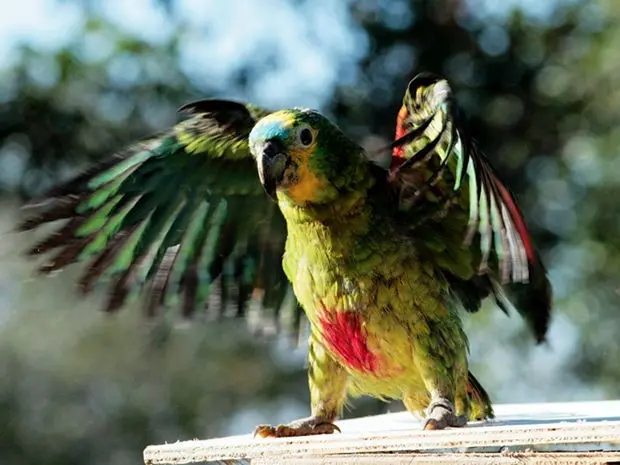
(344,335)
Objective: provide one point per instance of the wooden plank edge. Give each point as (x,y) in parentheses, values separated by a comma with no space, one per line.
(595,436)
(511,458)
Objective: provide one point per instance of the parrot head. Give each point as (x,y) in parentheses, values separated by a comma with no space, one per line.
(302,155)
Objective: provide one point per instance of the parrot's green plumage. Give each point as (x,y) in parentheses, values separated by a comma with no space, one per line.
(380,260)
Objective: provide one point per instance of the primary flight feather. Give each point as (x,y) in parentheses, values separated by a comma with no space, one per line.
(380,260)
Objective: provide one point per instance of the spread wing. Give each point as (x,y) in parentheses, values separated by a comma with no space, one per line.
(450,194)
(173,215)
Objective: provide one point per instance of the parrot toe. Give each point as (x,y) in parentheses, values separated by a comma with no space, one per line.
(441,415)
(304,427)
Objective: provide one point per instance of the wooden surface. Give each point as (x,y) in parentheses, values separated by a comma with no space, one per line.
(585,432)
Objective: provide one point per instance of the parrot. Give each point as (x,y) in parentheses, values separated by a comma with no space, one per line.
(381,258)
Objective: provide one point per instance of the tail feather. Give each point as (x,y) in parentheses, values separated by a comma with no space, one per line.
(480,400)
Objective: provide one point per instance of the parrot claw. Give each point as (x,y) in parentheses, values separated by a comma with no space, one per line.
(441,414)
(305,427)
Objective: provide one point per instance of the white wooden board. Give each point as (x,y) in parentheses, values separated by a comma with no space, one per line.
(578,432)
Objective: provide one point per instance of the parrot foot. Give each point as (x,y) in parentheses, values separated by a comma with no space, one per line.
(441,414)
(303,427)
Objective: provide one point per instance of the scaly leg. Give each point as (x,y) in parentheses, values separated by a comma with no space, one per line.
(441,413)
(328,386)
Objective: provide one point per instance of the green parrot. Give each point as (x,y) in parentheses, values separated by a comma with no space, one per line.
(381,259)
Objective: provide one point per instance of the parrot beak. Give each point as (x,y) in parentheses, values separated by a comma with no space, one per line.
(272,164)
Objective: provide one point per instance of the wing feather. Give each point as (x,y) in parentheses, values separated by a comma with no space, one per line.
(434,151)
(169,216)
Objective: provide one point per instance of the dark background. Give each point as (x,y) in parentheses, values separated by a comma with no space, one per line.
(539,80)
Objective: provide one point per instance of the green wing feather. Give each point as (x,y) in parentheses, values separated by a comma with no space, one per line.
(448,191)
(173,215)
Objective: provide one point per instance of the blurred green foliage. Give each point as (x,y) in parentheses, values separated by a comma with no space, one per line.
(541,89)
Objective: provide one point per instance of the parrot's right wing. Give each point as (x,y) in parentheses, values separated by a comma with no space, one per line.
(172,214)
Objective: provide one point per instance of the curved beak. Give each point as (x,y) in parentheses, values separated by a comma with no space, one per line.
(272,163)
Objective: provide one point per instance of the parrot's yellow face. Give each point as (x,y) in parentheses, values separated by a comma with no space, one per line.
(287,149)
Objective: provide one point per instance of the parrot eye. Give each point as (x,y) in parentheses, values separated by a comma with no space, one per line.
(305,136)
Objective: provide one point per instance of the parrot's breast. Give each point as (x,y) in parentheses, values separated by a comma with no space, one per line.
(368,298)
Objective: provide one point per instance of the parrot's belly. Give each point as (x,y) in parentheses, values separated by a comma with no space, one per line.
(375,349)
(369,327)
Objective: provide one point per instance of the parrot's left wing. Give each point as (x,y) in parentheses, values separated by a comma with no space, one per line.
(172,214)
(449,193)
(437,150)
